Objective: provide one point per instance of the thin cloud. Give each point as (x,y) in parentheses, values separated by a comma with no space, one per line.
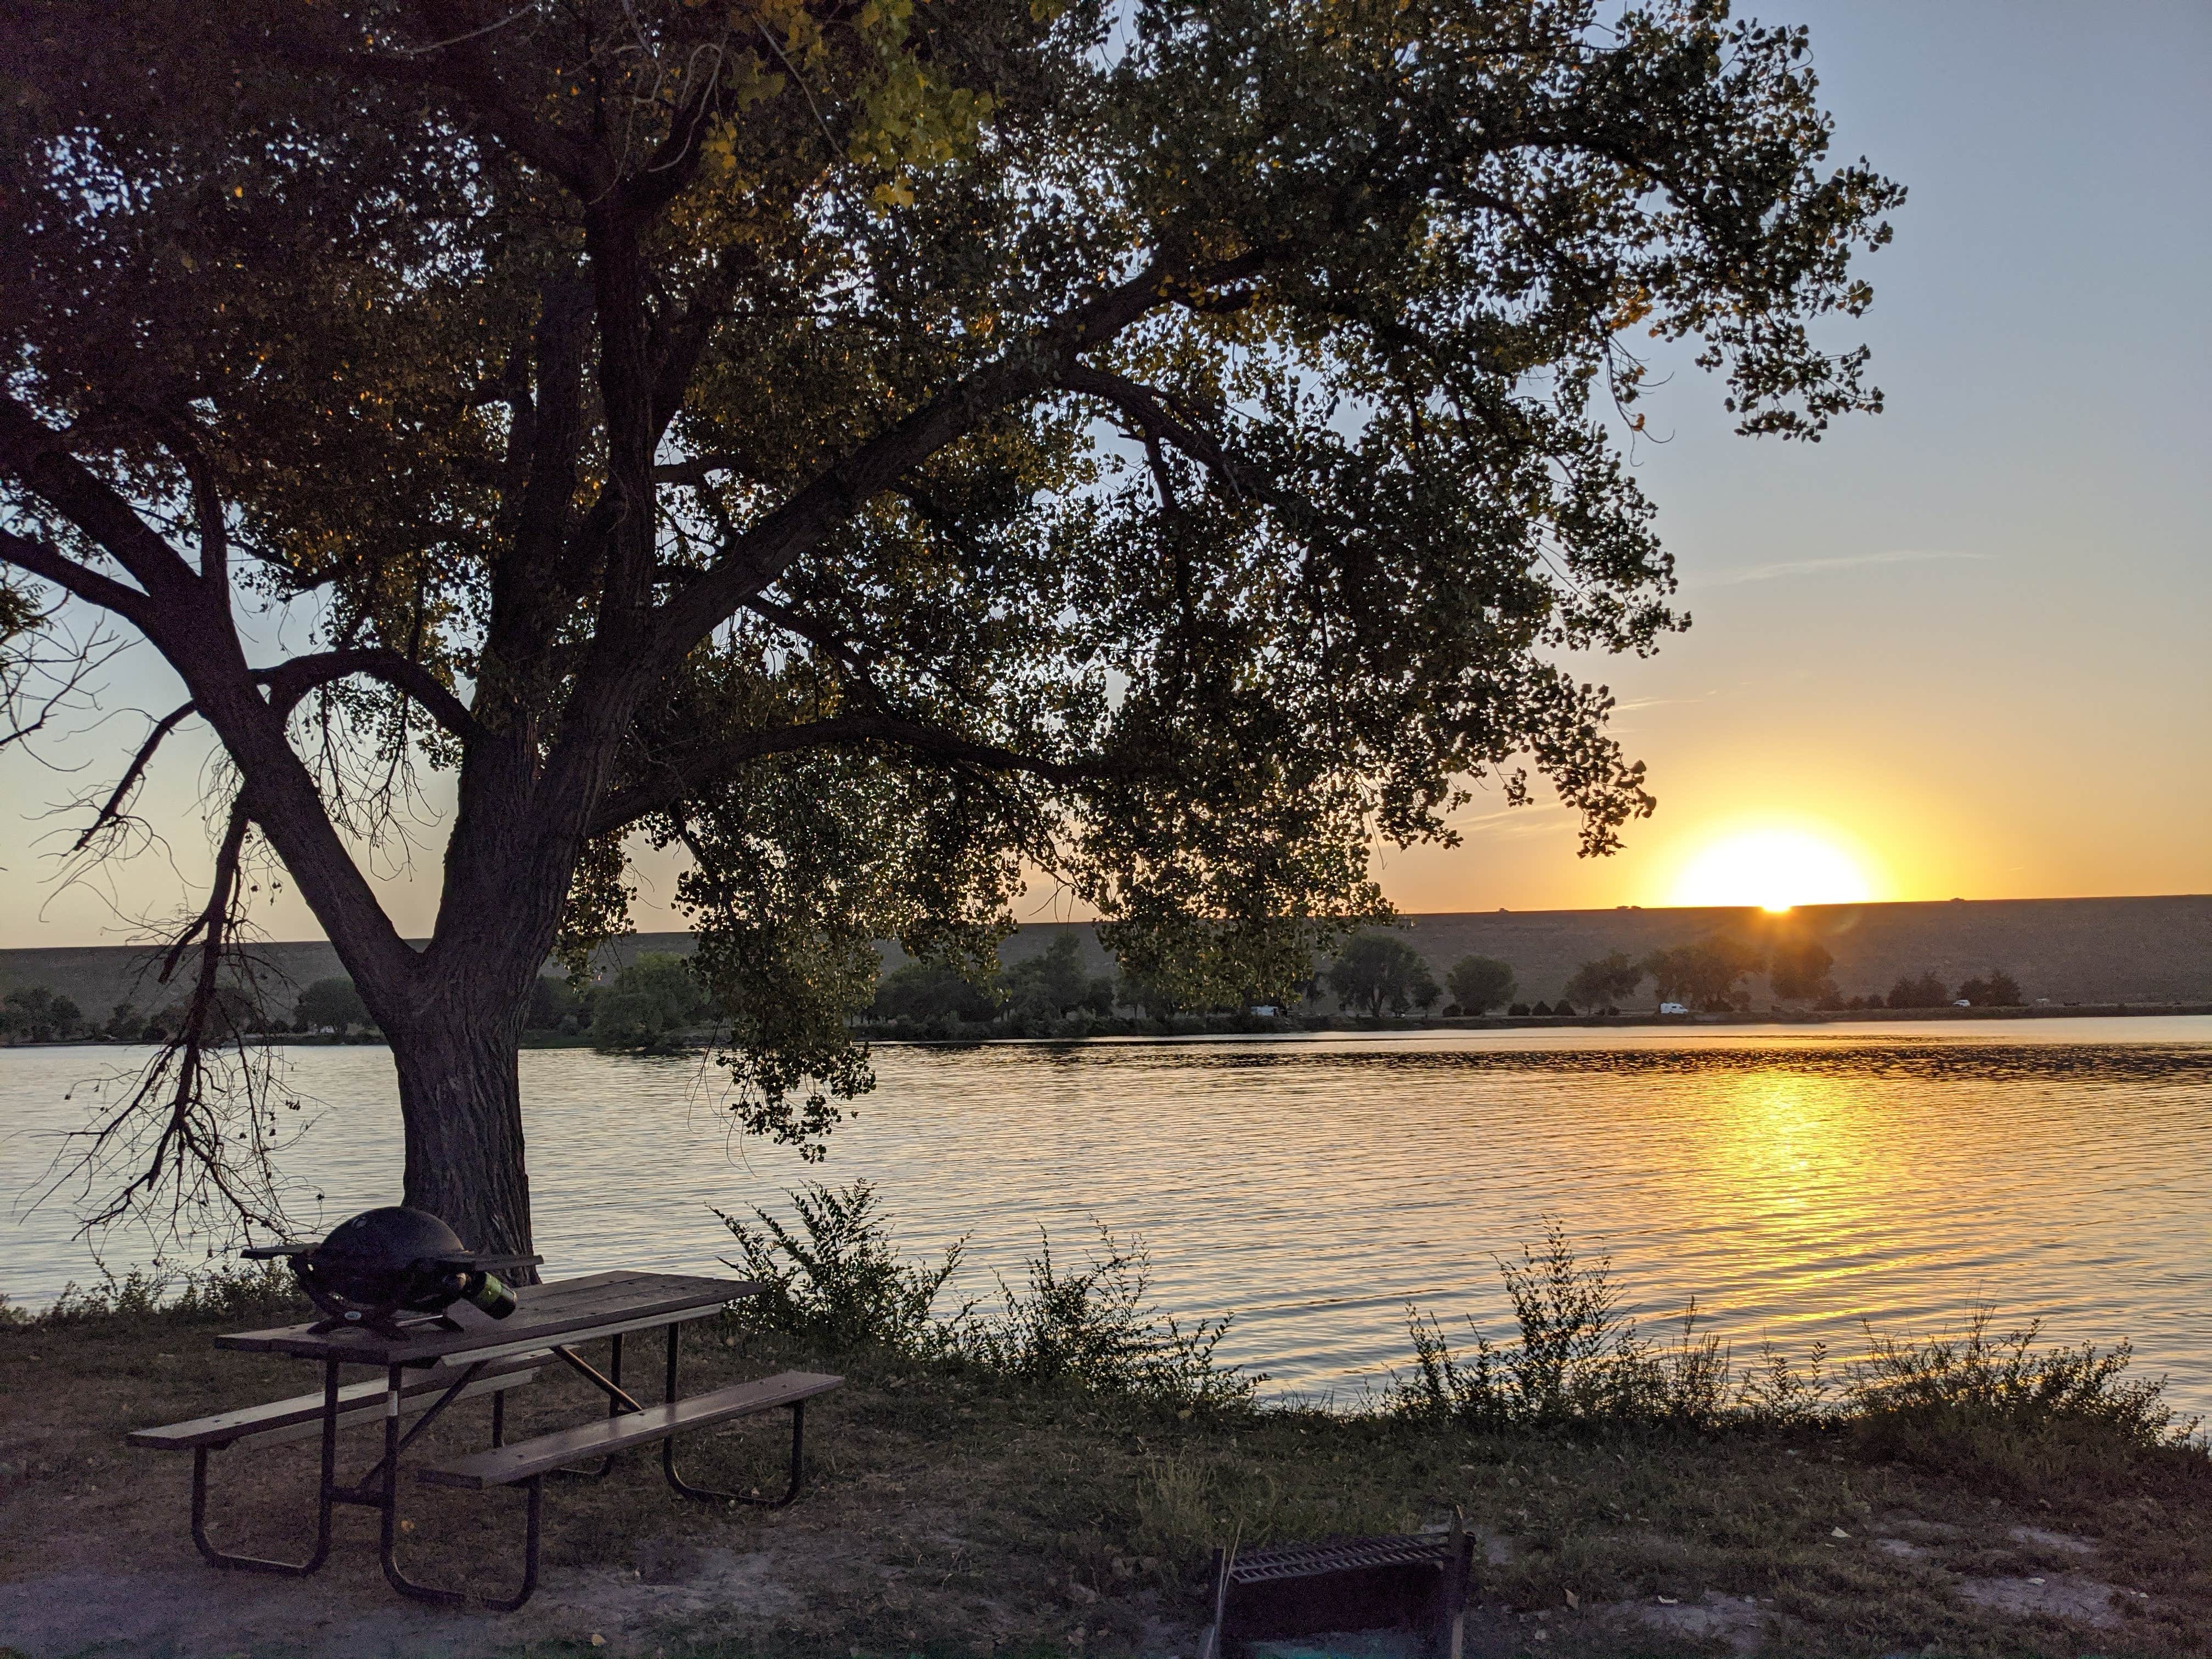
(1767,572)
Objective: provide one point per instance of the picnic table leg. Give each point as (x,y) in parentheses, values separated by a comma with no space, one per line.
(324,1496)
(684,1486)
(388,1532)
(611,1385)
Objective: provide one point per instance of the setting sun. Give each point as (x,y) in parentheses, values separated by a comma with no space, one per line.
(1774,868)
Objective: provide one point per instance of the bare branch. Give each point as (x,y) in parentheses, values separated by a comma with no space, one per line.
(112,809)
(200,1124)
(42,670)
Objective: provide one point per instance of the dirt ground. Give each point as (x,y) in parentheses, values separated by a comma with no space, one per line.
(948,1513)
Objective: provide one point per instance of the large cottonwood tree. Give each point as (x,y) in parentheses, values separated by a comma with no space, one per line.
(883,447)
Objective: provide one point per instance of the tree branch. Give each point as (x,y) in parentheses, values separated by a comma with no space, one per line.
(676,777)
(289,682)
(697,469)
(46,561)
(1148,407)
(762,552)
(463,68)
(113,808)
(36,454)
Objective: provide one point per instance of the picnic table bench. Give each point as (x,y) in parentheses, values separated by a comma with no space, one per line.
(464,1354)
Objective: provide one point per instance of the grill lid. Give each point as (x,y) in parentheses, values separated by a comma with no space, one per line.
(394,1260)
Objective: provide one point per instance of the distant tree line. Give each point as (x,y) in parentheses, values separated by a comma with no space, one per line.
(34,1014)
(656,1001)
(1039,995)
(1708,975)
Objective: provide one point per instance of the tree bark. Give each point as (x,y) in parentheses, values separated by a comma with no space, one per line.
(460,1100)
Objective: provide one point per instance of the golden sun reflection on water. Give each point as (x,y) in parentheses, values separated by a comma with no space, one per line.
(1804,1165)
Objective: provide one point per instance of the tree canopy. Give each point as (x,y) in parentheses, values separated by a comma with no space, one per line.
(1479,983)
(1052,983)
(333,1002)
(1798,968)
(649,1005)
(1605,980)
(890,451)
(1924,990)
(1995,989)
(1375,971)
(1705,973)
(927,991)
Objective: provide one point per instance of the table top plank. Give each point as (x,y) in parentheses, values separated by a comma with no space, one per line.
(566,1308)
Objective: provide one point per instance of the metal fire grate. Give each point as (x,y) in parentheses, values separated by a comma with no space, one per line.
(1350,1555)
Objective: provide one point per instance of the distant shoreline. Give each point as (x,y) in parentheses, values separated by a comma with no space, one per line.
(1337,1022)
(1822,1016)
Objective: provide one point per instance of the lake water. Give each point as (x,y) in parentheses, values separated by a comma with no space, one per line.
(1793,1181)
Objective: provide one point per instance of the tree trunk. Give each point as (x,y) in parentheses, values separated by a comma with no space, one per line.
(461,1102)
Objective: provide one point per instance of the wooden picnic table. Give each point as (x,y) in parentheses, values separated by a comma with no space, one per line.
(432,1363)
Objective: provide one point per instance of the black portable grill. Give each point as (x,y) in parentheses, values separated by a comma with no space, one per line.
(372,1272)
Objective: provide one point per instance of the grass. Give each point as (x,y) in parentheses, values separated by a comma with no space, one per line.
(960,1503)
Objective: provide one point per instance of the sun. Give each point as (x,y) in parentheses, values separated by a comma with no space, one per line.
(1776,869)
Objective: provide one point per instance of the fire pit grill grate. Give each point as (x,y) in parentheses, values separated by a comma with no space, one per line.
(1313,1560)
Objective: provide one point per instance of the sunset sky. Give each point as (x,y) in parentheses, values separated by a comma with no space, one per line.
(1959,649)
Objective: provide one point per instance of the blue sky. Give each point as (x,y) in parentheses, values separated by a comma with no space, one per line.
(1964,641)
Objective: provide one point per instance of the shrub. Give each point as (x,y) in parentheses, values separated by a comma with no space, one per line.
(1987,1404)
(1090,1328)
(838,1280)
(1577,1362)
(1975,1405)
(230,1290)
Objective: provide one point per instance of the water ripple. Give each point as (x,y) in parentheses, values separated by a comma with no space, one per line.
(1793,1181)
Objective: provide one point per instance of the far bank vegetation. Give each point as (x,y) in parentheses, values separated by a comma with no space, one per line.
(657,1003)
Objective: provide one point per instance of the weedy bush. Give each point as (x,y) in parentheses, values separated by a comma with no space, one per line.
(240,1291)
(1978,1403)
(1092,1328)
(838,1279)
(1579,1362)
(835,1278)
(1992,1404)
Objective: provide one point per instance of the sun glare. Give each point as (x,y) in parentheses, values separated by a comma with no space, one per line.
(1775,869)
